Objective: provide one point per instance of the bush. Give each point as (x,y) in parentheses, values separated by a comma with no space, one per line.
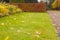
(32,7)
(7,9)
(16,1)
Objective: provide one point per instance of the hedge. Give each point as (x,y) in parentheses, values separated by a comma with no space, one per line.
(31,7)
(15,1)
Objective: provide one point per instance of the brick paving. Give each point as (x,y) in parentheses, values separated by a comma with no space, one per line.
(55,16)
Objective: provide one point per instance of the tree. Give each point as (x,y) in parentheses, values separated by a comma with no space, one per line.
(7,1)
(31,1)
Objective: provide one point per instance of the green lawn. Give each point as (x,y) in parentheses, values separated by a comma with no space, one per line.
(27,26)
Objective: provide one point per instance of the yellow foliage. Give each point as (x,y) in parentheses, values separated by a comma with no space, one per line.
(6,38)
(6,9)
(56,4)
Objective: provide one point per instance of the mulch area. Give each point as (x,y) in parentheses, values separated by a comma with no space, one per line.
(55,16)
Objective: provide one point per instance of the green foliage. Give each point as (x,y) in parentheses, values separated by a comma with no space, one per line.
(16,0)
(0,0)
(6,9)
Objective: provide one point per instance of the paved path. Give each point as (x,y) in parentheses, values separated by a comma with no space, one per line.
(55,16)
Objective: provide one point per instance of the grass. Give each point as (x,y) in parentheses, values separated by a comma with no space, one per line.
(27,26)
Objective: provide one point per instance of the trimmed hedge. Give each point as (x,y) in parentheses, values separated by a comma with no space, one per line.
(32,7)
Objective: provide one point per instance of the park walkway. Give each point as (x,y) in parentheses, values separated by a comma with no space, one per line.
(55,16)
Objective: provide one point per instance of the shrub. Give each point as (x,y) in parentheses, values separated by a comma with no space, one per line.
(32,7)
(17,1)
(7,9)
(14,9)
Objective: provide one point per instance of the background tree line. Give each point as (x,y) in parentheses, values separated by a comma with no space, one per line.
(26,1)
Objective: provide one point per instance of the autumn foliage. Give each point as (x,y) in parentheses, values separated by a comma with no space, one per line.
(32,7)
(7,9)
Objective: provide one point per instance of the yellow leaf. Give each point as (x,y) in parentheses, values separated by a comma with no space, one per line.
(7,38)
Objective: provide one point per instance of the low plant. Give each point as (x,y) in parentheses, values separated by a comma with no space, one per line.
(7,9)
